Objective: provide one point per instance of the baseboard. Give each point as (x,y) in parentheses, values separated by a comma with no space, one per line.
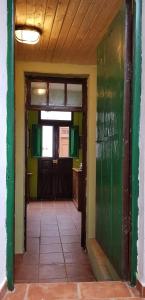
(18,258)
(102,268)
(3,290)
(33,199)
(140,288)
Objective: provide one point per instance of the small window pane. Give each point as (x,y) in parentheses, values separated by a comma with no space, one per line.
(56,115)
(38,93)
(74,95)
(63,141)
(47,141)
(56,94)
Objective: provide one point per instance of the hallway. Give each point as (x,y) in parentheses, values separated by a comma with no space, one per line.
(53,252)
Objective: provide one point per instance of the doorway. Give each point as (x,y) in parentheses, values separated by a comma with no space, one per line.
(55,165)
(56,106)
(82,72)
(55,145)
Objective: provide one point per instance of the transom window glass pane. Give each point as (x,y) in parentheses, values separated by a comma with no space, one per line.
(63,141)
(56,94)
(56,115)
(47,141)
(74,95)
(38,93)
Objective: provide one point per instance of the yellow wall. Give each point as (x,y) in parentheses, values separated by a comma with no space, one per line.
(66,69)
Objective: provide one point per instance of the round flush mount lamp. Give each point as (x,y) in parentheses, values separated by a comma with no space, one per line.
(27,34)
(39,92)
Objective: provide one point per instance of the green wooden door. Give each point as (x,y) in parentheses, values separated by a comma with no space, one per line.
(10,145)
(110,85)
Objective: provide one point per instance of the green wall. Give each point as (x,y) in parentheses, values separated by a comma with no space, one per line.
(110,84)
(32,163)
(77,120)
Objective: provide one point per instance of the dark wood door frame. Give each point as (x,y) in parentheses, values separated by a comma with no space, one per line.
(84,169)
(84,141)
(127,141)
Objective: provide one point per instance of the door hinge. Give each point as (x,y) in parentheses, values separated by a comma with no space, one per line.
(127,224)
(129,71)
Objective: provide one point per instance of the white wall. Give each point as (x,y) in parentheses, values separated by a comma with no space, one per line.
(3,92)
(141,202)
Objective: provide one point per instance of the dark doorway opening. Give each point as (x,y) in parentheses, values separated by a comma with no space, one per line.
(55,165)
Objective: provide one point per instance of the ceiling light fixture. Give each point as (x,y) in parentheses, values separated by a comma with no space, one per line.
(27,34)
(39,92)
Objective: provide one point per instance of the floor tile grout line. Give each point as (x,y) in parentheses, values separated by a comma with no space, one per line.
(59,237)
(62,251)
(75,223)
(78,291)
(39,254)
(129,289)
(26,292)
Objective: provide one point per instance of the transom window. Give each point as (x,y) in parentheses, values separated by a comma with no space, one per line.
(52,93)
(56,115)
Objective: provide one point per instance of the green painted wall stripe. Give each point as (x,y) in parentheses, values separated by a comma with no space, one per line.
(10,147)
(135,133)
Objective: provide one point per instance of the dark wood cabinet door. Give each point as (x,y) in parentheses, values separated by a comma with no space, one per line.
(54,178)
(45,178)
(63,178)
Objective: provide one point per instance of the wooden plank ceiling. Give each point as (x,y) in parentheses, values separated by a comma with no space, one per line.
(71,28)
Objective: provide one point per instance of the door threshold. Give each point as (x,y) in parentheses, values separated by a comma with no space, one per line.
(102,268)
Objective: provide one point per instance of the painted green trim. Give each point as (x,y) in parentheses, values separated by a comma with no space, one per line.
(135,133)
(10,146)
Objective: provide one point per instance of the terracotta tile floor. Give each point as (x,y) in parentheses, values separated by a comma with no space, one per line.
(73,291)
(55,267)
(53,252)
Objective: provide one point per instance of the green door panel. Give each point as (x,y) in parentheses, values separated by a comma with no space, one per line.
(10,146)
(78,121)
(110,86)
(74,141)
(137,62)
(32,161)
(36,140)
